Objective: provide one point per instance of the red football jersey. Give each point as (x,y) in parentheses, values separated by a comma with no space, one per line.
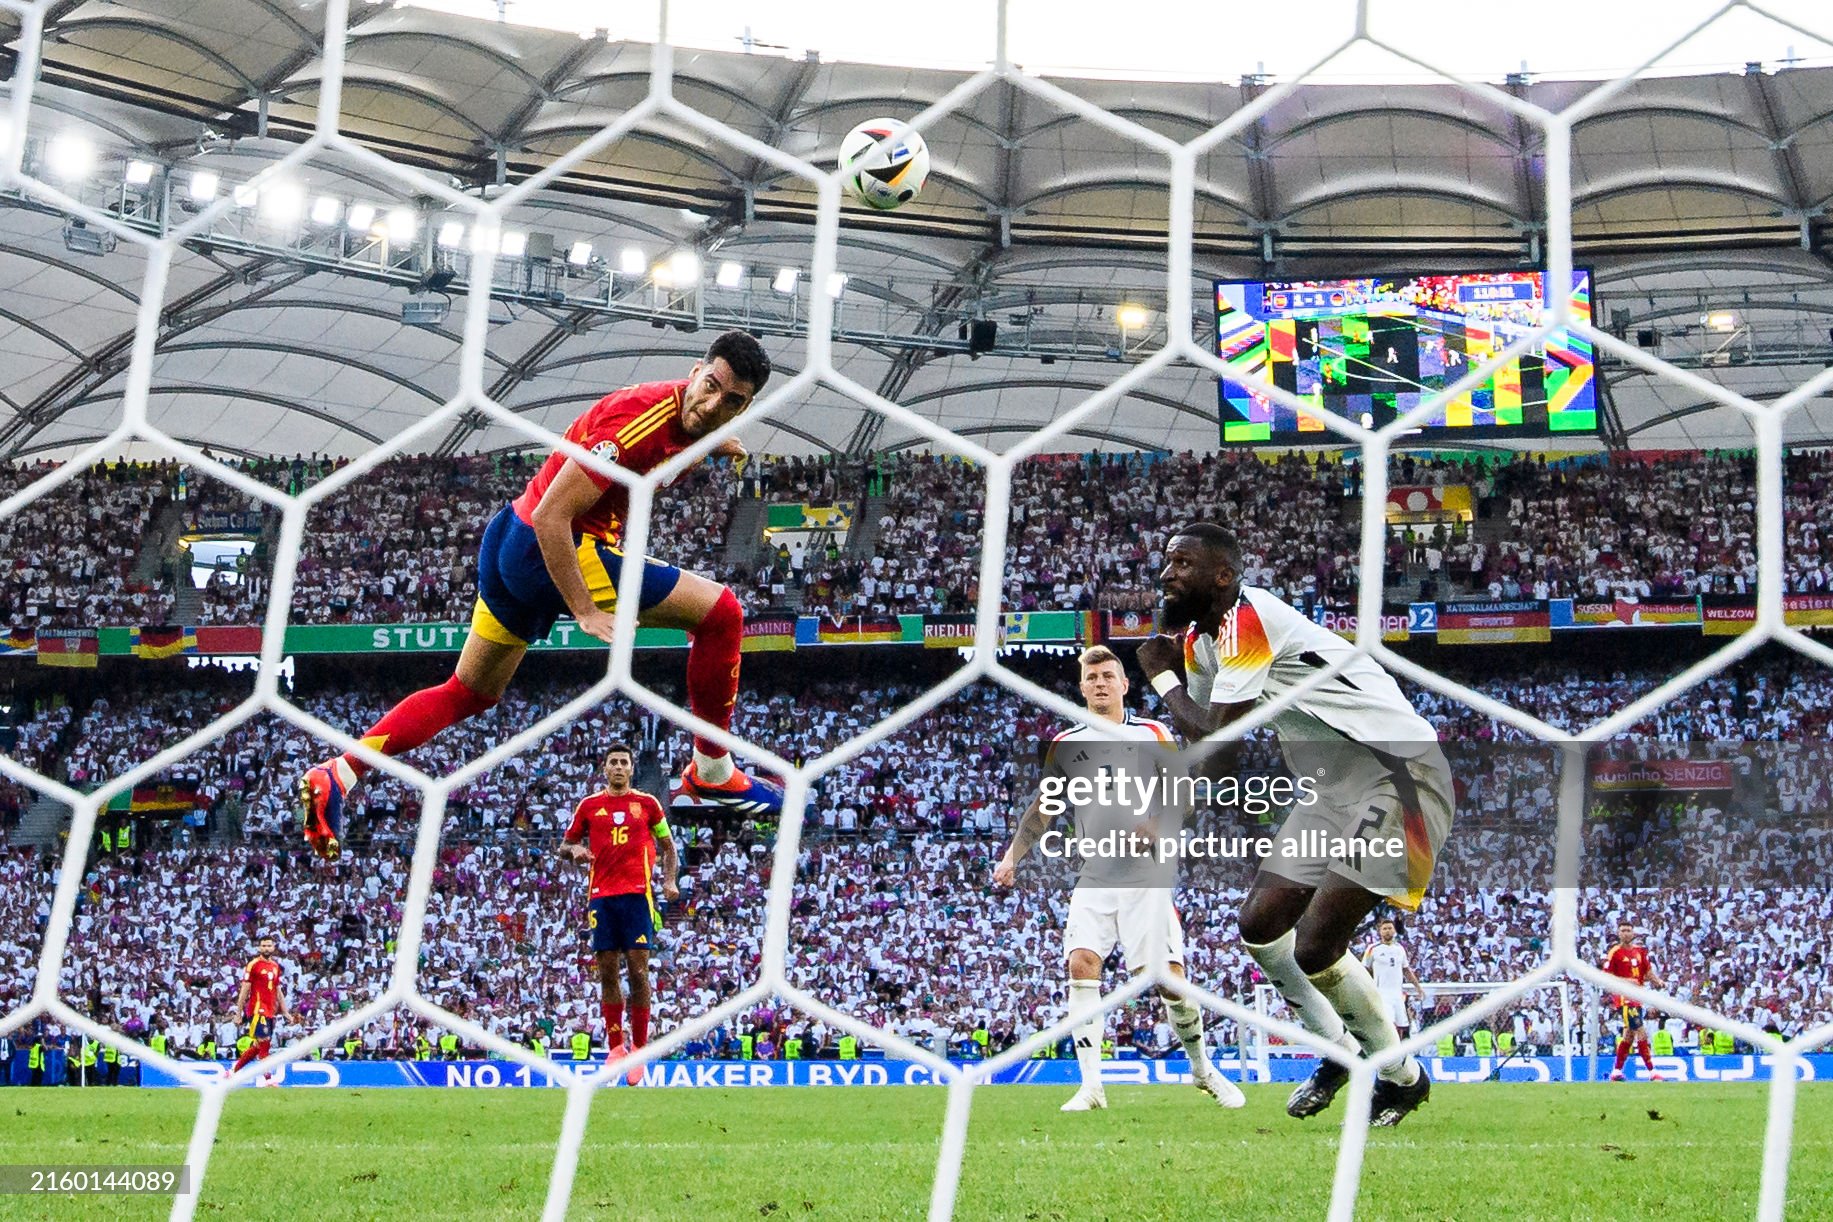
(263,979)
(1628,962)
(620,832)
(639,428)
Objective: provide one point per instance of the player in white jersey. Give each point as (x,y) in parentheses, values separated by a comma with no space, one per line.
(1368,833)
(1140,919)
(1387,962)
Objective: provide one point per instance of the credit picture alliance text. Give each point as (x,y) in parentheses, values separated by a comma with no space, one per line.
(1309,844)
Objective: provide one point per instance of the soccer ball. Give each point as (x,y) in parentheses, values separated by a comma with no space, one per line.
(888,177)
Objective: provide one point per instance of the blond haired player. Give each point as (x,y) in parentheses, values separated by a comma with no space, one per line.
(1100,917)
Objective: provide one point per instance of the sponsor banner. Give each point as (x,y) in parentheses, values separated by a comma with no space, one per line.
(1422,619)
(18,640)
(1727,617)
(165,641)
(1624,613)
(725,1075)
(1494,623)
(1395,625)
(1130,625)
(770,634)
(948,631)
(439,638)
(69,647)
(1618,776)
(1427,499)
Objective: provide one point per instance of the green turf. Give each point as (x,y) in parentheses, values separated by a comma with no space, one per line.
(1513,1151)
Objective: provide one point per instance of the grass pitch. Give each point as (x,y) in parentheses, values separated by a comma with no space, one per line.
(1495,1150)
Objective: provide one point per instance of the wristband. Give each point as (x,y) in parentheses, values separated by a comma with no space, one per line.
(1164,681)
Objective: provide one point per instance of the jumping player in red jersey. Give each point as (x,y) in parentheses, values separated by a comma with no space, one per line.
(616,831)
(1630,962)
(259,1001)
(555,551)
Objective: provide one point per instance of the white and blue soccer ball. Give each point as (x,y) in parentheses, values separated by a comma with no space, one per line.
(887,177)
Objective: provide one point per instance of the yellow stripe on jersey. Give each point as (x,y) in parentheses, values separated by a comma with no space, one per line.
(645,417)
(647,423)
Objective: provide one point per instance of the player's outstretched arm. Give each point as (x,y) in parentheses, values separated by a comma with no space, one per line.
(571,494)
(241,996)
(1031,827)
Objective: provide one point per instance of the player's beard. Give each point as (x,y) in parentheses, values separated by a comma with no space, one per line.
(1181,610)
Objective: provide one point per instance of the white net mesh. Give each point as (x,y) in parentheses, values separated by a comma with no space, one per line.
(403,989)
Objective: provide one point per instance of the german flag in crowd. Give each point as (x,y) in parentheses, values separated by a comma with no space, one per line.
(17,640)
(163,641)
(70,647)
(769,634)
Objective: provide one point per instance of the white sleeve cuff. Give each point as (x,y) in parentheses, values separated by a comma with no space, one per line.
(1164,681)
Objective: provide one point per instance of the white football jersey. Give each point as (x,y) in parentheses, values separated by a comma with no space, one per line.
(1265,648)
(1133,729)
(1387,963)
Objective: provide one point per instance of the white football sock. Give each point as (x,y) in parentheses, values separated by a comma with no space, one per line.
(713,769)
(1315,1013)
(1086,995)
(1187,1021)
(1349,987)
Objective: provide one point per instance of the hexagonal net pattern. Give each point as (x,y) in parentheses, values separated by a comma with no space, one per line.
(960,1082)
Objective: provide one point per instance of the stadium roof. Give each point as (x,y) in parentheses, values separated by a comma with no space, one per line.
(1694,196)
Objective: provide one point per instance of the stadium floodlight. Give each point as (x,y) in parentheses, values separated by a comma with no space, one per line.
(514,243)
(361,217)
(246,194)
(139,173)
(1721,320)
(401,226)
(325,210)
(70,156)
(631,261)
(451,234)
(836,284)
(425,311)
(580,254)
(731,274)
(1131,317)
(785,282)
(662,274)
(684,267)
(283,203)
(80,239)
(204,184)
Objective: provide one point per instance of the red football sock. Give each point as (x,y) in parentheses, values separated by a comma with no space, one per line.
(244,1059)
(613,1012)
(1622,1052)
(1642,1051)
(712,667)
(639,1026)
(418,718)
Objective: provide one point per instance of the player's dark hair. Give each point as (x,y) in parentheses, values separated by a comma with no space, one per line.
(1215,539)
(619,748)
(744,354)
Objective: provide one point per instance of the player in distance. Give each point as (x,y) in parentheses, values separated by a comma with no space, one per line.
(258,1002)
(1380,775)
(1628,961)
(1388,964)
(616,832)
(1134,917)
(556,551)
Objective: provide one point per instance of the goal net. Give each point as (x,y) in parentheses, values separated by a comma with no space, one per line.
(1502,1006)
